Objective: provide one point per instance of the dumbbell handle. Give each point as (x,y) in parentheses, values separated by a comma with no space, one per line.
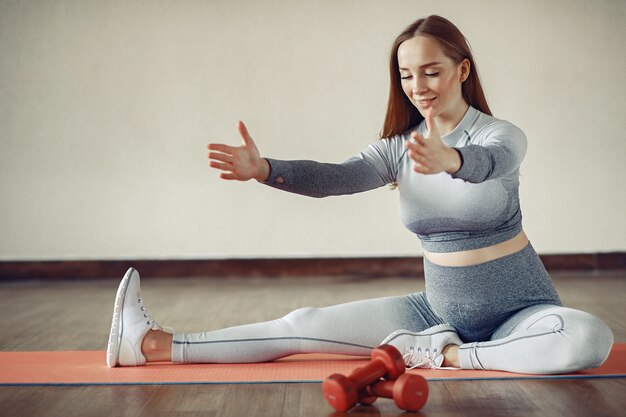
(367,374)
(380,388)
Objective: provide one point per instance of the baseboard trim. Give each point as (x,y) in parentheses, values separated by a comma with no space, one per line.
(267,268)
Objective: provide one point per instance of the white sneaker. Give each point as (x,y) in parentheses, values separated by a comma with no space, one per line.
(131,322)
(423,349)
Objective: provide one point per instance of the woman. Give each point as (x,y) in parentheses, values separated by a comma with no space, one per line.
(489,302)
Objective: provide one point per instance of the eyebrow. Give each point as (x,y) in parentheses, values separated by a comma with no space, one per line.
(430,64)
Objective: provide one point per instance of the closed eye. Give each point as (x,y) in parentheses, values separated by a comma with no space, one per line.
(432,75)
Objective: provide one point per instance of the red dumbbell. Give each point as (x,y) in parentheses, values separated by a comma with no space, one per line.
(409,392)
(342,392)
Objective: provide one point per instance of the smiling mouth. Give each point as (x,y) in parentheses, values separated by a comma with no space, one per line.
(427,101)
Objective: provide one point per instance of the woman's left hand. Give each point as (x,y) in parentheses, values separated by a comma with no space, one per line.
(430,155)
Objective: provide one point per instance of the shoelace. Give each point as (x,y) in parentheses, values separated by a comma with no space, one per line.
(423,359)
(150,321)
(420,358)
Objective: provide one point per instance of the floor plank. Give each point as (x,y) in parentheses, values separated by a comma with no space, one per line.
(36,401)
(186,400)
(578,398)
(484,397)
(253,400)
(102,401)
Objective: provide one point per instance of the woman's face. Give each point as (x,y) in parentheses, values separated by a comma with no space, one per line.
(429,78)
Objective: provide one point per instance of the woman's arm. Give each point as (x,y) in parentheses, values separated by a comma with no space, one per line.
(316,179)
(310,178)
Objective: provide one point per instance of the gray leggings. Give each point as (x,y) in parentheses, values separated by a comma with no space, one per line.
(506,311)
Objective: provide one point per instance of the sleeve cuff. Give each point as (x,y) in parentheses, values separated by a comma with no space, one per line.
(464,170)
(471,158)
(280,173)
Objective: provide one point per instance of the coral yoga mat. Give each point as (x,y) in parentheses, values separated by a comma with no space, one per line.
(89,368)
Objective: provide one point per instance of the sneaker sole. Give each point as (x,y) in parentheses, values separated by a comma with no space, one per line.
(113,347)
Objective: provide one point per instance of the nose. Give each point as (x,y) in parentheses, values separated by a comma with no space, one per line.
(419,86)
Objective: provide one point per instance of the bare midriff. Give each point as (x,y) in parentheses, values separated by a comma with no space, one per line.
(479,256)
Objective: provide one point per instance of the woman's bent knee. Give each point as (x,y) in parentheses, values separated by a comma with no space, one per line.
(588,342)
(600,338)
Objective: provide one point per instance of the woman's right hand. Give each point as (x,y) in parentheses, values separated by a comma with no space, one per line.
(240,163)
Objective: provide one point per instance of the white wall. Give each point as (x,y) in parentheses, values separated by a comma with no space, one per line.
(106,109)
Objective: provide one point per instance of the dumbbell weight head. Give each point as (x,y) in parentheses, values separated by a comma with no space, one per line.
(340,392)
(393,360)
(409,392)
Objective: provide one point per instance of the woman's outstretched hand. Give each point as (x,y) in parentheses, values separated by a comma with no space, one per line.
(430,155)
(240,163)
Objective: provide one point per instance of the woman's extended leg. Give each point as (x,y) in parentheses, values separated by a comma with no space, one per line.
(352,328)
(542,339)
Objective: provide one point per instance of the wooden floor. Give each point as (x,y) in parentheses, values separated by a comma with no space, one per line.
(66,315)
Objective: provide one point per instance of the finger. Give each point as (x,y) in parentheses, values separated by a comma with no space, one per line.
(220,165)
(221,157)
(418,158)
(416,149)
(421,169)
(222,148)
(412,145)
(430,124)
(228,176)
(419,139)
(243,131)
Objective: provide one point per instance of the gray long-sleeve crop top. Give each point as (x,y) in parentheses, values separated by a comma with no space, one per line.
(476,207)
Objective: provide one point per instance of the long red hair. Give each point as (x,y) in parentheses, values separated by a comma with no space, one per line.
(401,113)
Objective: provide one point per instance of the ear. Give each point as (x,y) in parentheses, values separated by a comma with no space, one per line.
(464,69)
